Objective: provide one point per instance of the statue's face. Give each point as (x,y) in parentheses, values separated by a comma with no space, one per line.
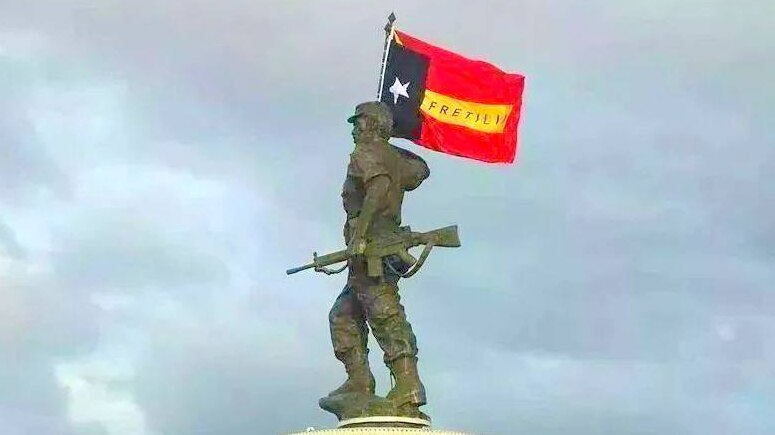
(360,126)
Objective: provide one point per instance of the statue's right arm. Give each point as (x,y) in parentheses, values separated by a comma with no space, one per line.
(376,189)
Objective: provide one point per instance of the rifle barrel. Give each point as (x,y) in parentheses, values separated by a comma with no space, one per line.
(299,269)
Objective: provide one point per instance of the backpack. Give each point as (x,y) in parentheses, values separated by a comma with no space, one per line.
(413,169)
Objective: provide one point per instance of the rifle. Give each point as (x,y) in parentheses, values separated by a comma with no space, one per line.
(390,244)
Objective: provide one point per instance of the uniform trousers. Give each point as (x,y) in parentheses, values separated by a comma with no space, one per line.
(370,302)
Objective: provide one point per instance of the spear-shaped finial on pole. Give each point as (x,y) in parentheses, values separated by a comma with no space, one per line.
(389,25)
(388,36)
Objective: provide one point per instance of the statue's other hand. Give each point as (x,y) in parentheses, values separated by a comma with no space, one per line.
(357,246)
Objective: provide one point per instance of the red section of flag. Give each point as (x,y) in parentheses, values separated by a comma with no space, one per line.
(469,80)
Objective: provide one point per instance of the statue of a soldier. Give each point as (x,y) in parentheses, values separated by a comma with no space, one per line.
(377,177)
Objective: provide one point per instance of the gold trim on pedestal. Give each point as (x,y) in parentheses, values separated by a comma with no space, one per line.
(379,431)
(422,423)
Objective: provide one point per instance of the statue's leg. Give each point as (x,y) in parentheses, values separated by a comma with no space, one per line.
(394,334)
(349,335)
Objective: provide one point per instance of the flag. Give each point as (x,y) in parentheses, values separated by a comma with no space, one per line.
(448,103)
(404,92)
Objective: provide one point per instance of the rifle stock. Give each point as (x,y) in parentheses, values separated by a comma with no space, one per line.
(446,237)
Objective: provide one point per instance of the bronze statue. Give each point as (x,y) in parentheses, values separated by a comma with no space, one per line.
(378,174)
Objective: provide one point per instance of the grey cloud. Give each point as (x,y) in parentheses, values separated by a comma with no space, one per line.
(40,325)
(25,165)
(33,403)
(192,381)
(9,243)
(121,254)
(40,320)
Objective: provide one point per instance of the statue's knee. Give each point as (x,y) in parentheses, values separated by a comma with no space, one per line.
(332,316)
(337,315)
(344,309)
(385,308)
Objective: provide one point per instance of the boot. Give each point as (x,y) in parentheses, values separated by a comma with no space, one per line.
(359,376)
(409,393)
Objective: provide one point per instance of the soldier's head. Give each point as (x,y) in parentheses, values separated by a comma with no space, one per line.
(372,119)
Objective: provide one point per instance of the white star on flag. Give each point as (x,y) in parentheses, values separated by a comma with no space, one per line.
(399,88)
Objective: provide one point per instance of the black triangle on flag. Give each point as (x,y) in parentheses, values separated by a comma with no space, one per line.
(403,87)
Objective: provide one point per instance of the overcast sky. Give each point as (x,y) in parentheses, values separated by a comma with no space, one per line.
(163,163)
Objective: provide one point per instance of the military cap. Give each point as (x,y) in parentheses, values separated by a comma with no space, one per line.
(374,109)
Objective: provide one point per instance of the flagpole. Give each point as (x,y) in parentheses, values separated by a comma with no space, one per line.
(389,31)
